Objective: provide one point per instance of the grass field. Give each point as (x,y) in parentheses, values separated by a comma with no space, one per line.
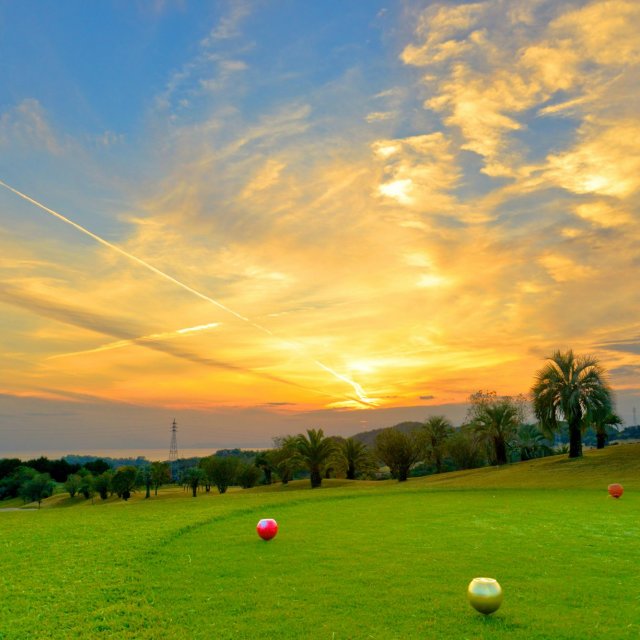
(354,560)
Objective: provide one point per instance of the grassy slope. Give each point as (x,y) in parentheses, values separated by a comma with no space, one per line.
(596,470)
(353,560)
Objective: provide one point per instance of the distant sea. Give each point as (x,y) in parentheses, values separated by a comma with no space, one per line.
(149,454)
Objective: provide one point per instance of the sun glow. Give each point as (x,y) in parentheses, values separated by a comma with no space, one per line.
(428,216)
(399,190)
(432,280)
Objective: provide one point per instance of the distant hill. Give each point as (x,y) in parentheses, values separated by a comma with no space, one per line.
(369,437)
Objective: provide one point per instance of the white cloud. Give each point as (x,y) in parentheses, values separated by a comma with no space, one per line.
(419,172)
(487,76)
(267,176)
(604,161)
(27,125)
(379,116)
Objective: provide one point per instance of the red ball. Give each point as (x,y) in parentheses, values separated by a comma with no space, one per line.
(615,490)
(267,528)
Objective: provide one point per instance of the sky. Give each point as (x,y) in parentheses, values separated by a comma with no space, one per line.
(264,216)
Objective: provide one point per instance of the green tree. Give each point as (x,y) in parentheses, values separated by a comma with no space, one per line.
(102,484)
(10,486)
(145,478)
(399,451)
(87,488)
(315,452)
(193,478)
(264,462)
(57,469)
(248,475)
(285,458)
(221,471)
(354,458)
(496,419)
(604,425)
(466,448)
(37,488)
(207,464)
(160,474)
(574,388)
(124,481)
(8,466)
(435,432)
(72,484)
(97,467)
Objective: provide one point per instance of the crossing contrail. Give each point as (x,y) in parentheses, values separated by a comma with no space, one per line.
(361,396)
(153,337)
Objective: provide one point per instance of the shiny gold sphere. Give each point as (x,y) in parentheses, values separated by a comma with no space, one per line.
(485,595)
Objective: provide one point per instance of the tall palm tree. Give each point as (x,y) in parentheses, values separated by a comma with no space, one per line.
(574,388)
(436,431)
(315,451)
(497,421)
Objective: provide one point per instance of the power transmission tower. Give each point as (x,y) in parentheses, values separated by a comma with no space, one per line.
(173,449)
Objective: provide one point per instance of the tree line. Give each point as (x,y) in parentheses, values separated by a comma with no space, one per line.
(570,395)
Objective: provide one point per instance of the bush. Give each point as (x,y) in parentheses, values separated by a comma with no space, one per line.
(124,481)
(399,451)
(10,486)
(102,484)
(221,471)
(72,484)
(248,475)
(466,449)
(39,487)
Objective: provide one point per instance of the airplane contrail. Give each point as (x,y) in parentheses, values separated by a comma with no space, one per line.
(361,396)
(153,337)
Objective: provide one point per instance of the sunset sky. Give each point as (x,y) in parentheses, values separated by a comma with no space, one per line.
(264,216)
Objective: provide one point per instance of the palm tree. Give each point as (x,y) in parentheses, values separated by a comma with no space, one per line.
(604,425)
(572,387)
(315,451)
(497,421)
(354,457)
(436,431)
(532,443)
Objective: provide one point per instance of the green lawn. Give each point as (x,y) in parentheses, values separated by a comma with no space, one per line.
(351,560)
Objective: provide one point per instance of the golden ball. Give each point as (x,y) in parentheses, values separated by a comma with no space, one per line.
(485,595)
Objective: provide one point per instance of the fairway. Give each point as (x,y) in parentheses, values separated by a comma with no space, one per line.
(351,560)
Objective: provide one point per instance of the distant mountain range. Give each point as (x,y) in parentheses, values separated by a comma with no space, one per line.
(369,437)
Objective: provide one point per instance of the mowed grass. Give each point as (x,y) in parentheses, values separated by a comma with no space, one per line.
(351,560)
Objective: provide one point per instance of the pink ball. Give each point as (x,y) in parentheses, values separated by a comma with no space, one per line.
(267,528)
(615,490)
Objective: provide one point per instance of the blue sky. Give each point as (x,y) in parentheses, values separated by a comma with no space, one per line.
(337,214)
